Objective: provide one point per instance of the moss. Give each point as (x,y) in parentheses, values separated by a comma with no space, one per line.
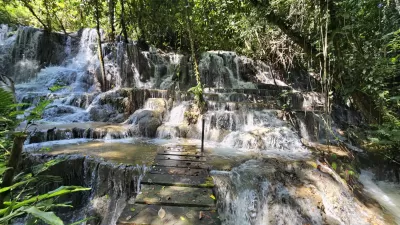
(209,182)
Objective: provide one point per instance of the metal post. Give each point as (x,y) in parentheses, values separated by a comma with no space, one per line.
(202,135)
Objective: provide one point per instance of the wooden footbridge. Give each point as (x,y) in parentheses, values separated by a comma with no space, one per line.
(177,191)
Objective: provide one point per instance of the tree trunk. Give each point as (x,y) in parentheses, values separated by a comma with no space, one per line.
(367,106)
(12,163)
(99,49)
(195,65)
(123,25)
(111,19)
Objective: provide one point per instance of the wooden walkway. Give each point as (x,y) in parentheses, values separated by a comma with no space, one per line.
(180,184)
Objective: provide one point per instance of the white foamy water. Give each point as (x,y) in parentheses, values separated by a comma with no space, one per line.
(73,78)
(387,194)
(177,114)
(3,33)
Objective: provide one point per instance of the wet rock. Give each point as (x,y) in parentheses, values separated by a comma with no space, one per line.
(102,113)
(56,110)
(145,122)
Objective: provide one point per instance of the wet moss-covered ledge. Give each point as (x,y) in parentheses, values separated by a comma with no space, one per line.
(112,184)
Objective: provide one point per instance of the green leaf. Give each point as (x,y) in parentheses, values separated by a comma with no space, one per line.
(43,167)
(57,192)
(4,169)
(82,221)
(47,217)
(56,88)
(4,189)
(334,166)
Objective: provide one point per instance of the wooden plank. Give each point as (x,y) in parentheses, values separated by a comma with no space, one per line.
(140,214)
(181,148)
(181,164)
(178,180)
(181,153)
(178,171)
(175,196)
(181,158)
(193,150)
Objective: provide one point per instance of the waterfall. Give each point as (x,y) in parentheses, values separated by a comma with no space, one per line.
(73,78)
(177,114)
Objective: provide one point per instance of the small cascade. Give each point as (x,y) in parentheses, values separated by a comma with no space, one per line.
(283,192)
(112,185)
(177,114)
(175,126)
(386,193)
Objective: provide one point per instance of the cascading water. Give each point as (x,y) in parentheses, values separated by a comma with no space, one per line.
(273,191)
(387,194)
(175,123)
(3,33)
(241,120)
(70,80)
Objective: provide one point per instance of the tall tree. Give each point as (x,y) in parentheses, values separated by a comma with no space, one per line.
(99,48)
(111,19)
(123,25)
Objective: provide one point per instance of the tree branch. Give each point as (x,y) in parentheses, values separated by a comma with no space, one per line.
(29,7)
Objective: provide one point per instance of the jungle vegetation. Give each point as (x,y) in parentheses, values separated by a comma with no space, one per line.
(350,48)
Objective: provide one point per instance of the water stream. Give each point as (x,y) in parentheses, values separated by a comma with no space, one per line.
(386,193)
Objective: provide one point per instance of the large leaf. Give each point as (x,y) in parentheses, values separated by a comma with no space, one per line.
(6,100)
(57,192)
(4,189)
(43,167)
(48,217)
(3,169)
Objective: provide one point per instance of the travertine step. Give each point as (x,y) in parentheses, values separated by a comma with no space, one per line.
(178,180)
(175,196)
(234,106)
(140,214)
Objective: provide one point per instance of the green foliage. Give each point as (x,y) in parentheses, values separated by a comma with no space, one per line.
(23,191)
(57,88)
(334,166)
(48,217)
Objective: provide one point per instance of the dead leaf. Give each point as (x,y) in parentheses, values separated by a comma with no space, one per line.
(201,215)
(161,213)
